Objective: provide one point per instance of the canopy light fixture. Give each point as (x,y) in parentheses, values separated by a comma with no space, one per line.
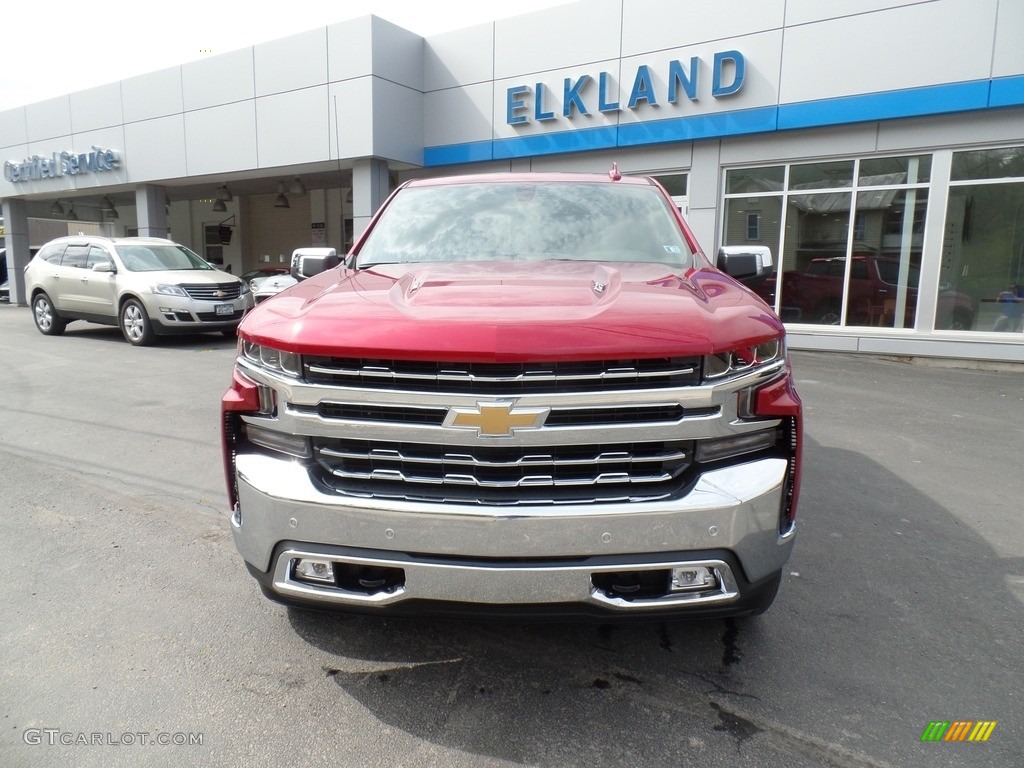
(106,204)
(72,216)
(297,187)
(281,201)
(218,206)
(56,209)
(224,194)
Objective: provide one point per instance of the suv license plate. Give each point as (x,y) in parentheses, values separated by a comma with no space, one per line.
(225,309)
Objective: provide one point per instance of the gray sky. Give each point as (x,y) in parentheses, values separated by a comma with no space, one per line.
(57,47)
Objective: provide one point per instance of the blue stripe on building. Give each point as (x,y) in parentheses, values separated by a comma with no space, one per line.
(890,105)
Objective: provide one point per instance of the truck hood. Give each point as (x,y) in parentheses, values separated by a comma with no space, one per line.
(512,311)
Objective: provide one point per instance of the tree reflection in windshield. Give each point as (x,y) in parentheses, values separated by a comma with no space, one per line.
(527,221)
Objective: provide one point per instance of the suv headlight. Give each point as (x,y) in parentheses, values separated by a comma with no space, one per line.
(166,289)
(724,366)
(245,287)
(270,359)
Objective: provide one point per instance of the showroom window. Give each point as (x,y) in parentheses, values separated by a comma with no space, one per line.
(676,185)
(981,283)
(846,235)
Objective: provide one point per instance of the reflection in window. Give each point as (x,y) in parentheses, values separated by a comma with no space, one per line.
(674,184)
(768,210)
(821,175)
(753,226)
(829,274)
(75,256)
(895,170)
(96,256)
(529,220)
(860,226)
(981,277)
(883,292)
(814,260)
(753,180)
(1006,163)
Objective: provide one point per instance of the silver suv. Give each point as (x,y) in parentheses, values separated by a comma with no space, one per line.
(146,285)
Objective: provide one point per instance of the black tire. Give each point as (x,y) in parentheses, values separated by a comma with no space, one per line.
(47,320)
(828,313)
(135,324)
(962,320)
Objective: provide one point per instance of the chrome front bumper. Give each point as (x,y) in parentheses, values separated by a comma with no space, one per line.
(475,554)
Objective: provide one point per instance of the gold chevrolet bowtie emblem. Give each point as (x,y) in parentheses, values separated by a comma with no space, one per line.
(496,419)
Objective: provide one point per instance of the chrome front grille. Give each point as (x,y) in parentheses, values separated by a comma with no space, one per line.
(558,417)
(497,434)
(505,379)
(215,292)
(504,476)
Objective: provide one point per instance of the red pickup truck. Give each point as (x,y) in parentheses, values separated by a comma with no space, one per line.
(520,394)
(816,295)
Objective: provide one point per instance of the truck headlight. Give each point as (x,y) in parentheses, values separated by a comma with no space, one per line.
(723,366)
(271,359)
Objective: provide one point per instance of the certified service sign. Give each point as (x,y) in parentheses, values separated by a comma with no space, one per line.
(98,160)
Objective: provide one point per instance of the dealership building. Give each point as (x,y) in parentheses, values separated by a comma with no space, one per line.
(876,147)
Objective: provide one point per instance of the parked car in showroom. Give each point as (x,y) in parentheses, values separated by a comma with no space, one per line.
(148,287)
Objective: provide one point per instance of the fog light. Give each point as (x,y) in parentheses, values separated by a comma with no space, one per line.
(692,578)
(293,445)
(734,445)
(320,571)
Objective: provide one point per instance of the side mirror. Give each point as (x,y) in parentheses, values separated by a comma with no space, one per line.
(307,265)
(103,266)
(746,263)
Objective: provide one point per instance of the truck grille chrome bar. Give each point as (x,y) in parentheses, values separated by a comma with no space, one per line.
(505,379)
(573,474)
(558,417)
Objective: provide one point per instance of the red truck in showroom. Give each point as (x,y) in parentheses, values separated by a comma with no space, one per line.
(519,395)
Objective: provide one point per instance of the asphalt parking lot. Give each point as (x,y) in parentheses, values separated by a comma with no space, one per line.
(132,634)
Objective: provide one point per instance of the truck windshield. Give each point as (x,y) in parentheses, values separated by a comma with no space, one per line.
(527,221)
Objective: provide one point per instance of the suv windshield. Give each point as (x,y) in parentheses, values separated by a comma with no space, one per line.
(155,258)
(484,221)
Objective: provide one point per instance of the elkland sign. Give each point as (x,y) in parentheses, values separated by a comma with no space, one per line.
(524,103)
(34,168)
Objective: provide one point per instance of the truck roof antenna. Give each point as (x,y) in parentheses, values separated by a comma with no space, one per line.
(614,174)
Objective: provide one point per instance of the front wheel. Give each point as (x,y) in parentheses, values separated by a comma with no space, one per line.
(135,324)
(47,320)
